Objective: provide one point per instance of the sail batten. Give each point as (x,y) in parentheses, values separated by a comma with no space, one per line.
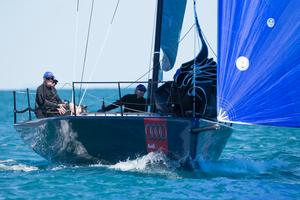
(259,62)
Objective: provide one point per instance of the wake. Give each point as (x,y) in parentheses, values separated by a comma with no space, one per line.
(12,165)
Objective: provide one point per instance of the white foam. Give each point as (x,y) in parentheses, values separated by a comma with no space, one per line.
(7,161)
(17,167)
(141,163)
(56,168)
(152,163)
(292,138)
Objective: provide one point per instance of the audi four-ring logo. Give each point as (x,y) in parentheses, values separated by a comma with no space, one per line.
(156,131)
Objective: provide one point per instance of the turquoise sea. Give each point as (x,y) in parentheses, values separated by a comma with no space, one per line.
(258,163)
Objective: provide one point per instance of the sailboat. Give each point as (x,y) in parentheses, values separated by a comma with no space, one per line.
(254,82)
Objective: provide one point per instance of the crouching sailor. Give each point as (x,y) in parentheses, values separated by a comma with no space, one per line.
(47,101)
(132,102)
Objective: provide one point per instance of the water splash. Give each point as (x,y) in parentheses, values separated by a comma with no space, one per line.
(12,165)
(152,160)
(142,163)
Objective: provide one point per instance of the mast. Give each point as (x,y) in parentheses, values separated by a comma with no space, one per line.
(156,63)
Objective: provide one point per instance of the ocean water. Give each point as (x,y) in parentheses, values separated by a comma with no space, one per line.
(258,163)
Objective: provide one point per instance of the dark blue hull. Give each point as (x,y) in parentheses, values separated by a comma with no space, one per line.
(110,139)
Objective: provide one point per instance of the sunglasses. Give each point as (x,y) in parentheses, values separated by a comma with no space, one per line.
(50,78)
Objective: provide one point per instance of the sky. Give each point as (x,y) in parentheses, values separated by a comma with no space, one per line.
(50,35)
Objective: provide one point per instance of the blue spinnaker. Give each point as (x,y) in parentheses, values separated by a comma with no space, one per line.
(259,62)
(173,14)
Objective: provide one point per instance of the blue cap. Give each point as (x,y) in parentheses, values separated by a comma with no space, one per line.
(141,87)
(48,75)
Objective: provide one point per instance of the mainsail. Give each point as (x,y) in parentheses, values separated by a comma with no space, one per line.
(259,62)
(172,18)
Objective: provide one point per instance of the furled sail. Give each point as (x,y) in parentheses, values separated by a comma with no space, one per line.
(173,14)
(259,62)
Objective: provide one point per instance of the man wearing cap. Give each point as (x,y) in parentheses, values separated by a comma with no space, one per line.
(132,102)
(48,103)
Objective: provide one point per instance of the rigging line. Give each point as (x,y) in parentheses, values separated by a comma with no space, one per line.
(86,46)
(143,75)
(150,68)
(76,45)
(204,37)
(100,52)
(111,96)
(113,17)
(187,33)
(152,43)
(208,44)
(64,85)
(77,5)
(132,82)
(97,61)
